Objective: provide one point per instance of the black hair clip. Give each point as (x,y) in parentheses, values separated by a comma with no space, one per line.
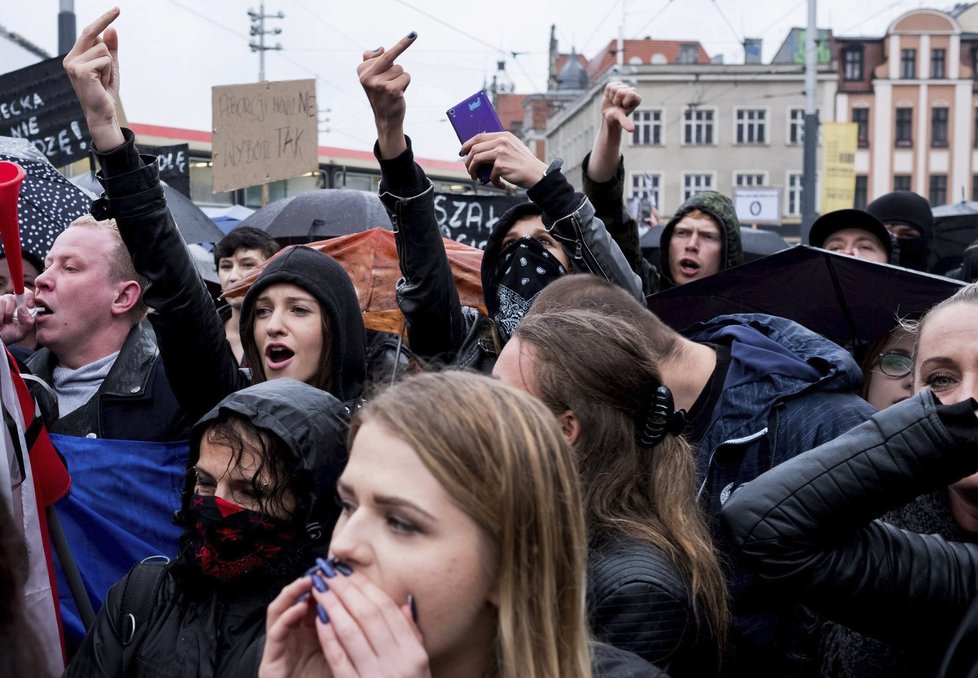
(661,418)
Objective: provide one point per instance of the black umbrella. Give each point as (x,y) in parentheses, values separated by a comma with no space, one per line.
(756,242)
(194,225)
(320,214)
(955,228)
(851,301)
(47,203)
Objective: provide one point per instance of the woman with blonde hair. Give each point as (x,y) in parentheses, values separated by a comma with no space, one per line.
(460,549)
(655,587)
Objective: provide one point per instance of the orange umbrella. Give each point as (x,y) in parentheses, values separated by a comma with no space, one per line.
(370,259)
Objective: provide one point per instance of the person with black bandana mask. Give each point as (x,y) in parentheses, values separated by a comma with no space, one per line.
(530,246)
(908,218)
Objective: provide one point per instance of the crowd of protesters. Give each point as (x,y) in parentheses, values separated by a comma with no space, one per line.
(558,485)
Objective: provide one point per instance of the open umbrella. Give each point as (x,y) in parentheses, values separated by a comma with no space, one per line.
(370,259)
(955,228)
(756,242)
(48,202)
(228,218)
(320,213)
(194,225)
(848,300)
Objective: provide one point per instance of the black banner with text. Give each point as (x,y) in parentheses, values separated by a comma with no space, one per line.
(469,219)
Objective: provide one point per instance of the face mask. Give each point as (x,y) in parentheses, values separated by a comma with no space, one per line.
(229,541)
(912,253)
(524,268)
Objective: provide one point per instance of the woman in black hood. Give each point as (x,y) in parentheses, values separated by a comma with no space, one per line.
(258,505)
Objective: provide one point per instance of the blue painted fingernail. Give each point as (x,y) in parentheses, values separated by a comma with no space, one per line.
(319,583)
(412,35)
(311,570)
(344,568)
(326,567)
(323,617)
(302,598)
(379,48)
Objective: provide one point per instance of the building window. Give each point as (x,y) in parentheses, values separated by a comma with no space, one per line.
(904,127)
(938,189)
(751,125)
(796,126)
(860,116)
(974,186)
(938,127)
(908,64)
(646,189)
(794,194)
(859,199)
(852,58)
(746,179)
(901,182)
(698,126)
(688,53)
(937,60)
(648,128)
(696,183)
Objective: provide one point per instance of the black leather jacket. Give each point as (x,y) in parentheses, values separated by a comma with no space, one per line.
(134,402)
(638,601)
(438,326)
(808,526)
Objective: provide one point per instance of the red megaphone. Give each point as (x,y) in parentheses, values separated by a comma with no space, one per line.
(11,177)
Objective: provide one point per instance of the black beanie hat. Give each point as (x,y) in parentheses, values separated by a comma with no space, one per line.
(904,207)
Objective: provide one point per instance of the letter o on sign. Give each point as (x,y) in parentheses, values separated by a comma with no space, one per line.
(755,207)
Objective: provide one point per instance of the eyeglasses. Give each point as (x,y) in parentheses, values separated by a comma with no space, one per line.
(895,364)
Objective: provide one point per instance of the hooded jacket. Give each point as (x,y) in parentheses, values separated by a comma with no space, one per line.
(200,365)
(439,327)
(327,281)
(721,209)
(787,390)
(218,628)
(808,526)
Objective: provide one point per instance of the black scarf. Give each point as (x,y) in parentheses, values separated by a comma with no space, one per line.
(523,269)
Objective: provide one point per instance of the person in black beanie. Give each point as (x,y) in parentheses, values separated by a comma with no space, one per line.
(908,217)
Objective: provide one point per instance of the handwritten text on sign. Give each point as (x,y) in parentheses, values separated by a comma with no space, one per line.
(263,132)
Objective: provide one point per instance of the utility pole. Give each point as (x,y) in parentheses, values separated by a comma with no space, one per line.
(809,164)
(66,26)
(258,29)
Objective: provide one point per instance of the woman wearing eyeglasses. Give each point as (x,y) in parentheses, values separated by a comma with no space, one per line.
(887,370)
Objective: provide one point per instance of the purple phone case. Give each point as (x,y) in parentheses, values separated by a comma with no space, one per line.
(472,116)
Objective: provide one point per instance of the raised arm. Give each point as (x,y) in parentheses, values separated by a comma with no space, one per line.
(199,363)
(426,292)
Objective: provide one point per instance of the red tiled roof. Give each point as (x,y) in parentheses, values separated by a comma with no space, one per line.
(644,50)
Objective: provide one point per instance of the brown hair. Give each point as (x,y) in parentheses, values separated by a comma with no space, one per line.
(599,367)
(502,458)
(121,267)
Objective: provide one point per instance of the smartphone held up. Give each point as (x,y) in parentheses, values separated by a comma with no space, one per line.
(473,116)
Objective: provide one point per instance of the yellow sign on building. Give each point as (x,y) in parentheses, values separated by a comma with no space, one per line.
(838,165)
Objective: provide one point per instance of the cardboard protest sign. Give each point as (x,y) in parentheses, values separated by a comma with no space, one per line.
(37,103)
(263,132)
(469,219)
(174,162)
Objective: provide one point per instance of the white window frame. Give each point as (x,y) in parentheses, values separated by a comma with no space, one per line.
(713,124)
(762,174)
(799,123)
(764,125)
(792,189)
(660,123)
(684,191)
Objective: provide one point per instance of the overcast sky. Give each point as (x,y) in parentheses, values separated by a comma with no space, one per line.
(174,51)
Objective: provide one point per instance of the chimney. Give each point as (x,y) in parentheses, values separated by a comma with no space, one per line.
(752,50)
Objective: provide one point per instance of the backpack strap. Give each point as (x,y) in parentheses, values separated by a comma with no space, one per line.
(138,599)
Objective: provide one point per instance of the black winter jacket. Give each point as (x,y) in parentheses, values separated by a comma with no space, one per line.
(134,401)
(204,628)
(808,527)
(638,601)
(439,327)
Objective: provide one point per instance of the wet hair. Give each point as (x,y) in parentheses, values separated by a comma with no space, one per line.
(121,267)
(598,367)
(501,456)
(245,238)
